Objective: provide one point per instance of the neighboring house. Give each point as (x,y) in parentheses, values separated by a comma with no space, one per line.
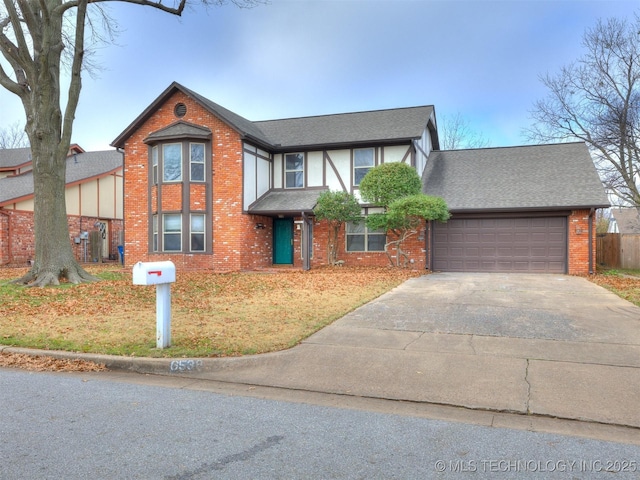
(209,189)
(93,196)
(625,221)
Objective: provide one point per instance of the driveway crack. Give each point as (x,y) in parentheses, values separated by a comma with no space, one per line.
(526,379)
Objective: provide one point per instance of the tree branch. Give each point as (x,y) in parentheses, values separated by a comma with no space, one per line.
(75,84)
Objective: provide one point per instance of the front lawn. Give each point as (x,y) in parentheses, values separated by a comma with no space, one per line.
(212,314)
(624,283)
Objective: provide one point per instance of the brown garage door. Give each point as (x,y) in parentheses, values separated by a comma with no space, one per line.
(536,244)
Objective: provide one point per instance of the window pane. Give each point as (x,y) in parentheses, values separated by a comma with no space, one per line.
(294,179)
(355,243)
(375,243)
(197,162)
(172,162)
(154,164)
(355,227)
(197,172)
(155,234)
(197,152)
(172,223)
(294,161)
(358,174)
(172,242)
(363,157)
(197,242)
(197,223)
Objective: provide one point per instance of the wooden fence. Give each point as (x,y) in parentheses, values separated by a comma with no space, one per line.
(615,250)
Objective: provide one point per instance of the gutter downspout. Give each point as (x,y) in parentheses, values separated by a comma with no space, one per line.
(9,252)
(121,150)
(591,272)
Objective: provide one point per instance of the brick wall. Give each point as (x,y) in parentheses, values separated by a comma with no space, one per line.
(235,242)
(414,246)
(578,230)
(17,242)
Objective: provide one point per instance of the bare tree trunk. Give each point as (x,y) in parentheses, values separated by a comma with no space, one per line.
(49,136)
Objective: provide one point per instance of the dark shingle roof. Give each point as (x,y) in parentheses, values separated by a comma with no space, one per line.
(14,157)
(348,128)
(81,166)
(286,201)
(531,177)
(340,129)
(627,219)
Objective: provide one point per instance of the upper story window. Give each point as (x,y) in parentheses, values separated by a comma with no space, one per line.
(196,162)
(154,164)
(172,162)
(363,161)
(294,170)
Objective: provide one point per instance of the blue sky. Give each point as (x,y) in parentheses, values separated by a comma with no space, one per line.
(480,59)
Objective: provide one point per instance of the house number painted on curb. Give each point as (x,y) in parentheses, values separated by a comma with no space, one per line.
(185,365)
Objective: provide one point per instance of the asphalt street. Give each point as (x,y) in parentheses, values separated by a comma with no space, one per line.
(103,426)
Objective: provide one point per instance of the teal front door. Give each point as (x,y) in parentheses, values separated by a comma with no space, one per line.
(283,241)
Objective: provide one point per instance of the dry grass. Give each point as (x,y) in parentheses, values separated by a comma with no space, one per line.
(624,285)
(212,314)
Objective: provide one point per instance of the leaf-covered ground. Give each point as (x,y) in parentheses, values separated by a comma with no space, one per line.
(212,314)
(625,286)
(47,364)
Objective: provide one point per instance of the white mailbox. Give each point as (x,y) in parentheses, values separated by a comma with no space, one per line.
(154,273)
(162,275)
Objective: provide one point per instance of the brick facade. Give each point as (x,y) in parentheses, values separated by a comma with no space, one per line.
(579,243)
(233,240)
(17,242)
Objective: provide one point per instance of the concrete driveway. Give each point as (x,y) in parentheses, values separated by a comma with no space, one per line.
(552,345)
(541,307)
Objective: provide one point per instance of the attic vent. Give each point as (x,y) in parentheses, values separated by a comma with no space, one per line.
(180,110)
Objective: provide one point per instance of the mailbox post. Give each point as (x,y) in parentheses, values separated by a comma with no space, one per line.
(162,275)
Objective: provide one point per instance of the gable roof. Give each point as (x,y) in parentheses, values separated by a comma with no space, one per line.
(533,177)
(627,220)
(399,124)
(80,167)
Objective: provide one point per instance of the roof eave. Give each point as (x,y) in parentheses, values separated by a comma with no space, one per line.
(341,145)
(555,208)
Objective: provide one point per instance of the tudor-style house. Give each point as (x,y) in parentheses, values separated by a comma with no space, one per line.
(209,189)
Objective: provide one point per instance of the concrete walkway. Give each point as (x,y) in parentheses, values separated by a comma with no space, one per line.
(549,345)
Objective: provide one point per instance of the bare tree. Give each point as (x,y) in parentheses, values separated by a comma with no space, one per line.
(13,136)
(455,132)
(596,100)
(38,39)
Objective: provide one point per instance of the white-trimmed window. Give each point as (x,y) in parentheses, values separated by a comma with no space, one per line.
(196,161)
(197,232)
(363,161)
(154,165)
(294,170)
(172,162)
(155,233)
(361,239)
(172,232)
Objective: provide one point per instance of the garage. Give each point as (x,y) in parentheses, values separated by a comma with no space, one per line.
(535,244)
